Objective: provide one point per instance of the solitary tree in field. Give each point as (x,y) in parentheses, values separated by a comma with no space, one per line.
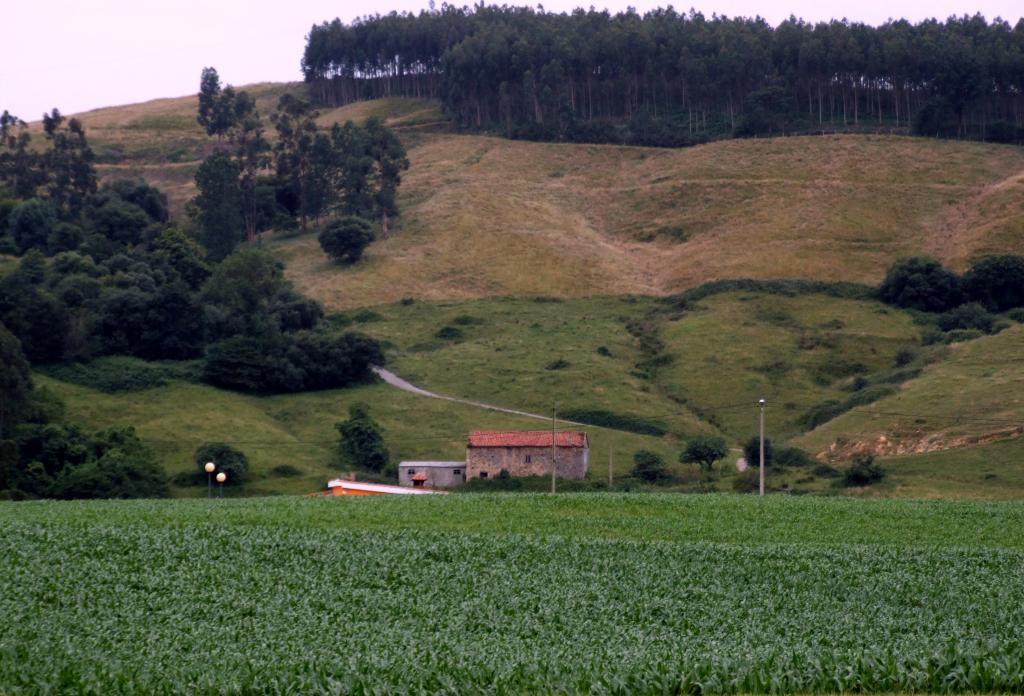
(346,238)
(704,450)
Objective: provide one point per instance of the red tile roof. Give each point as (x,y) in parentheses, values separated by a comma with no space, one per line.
(530,438)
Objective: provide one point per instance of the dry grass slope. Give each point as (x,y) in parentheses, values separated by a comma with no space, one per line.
(490,217)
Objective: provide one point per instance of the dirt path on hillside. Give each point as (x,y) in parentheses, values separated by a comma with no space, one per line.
(396,381)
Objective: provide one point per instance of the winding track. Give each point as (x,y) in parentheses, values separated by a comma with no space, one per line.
(396,381)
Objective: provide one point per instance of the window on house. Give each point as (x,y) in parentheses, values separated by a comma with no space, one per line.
(529,458)
(412,471)
(456,472)
(483,474)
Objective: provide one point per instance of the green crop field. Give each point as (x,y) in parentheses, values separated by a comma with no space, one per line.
(616,594)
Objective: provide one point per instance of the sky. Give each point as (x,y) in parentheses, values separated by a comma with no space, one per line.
(78,55)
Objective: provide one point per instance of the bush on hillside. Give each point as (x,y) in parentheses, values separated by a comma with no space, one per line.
(302,361)
(649,466)
(827,410)
(921,283)
(793,457)
(997,282)
(752,452)
(115,474)
(1016,314)
(786,288)
(967,316)
(225,458)
(863,472)
(346,238)
(115,374)
(361,443)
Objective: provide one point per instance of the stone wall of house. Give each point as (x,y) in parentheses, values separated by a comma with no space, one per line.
(526,461)
(437,476)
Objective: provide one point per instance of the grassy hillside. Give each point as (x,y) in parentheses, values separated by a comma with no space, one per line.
(971,397)
(299,429)
(725,352)
(718,357)
(577,594)
(486,217)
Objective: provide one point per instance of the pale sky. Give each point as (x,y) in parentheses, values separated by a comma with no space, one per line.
(84,54)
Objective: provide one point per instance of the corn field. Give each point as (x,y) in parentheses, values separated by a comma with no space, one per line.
(439,595)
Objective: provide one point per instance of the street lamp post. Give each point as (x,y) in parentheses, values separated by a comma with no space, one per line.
(760,402)
(221,478)
(210,466)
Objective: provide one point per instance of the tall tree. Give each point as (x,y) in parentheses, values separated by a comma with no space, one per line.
(294,152)
(390,161)
(69,163)
(218,205)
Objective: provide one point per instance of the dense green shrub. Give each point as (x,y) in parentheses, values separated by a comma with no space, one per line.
(115,373)
(64,461)
(449,333)
(361,442)
(617,421)
(967,316)
(117,473)
(345,239)
(787,288)
(286,471)
(559,364)
(649,466)
(226,458)
(997,282)
(752,452)
(826,471)
(921,283)
(793,457)
(863,472)
(31,224)
(827,410)
(301,361)
(1016,314)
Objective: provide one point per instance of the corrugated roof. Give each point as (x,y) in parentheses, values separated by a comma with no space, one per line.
(525,438)
(431,465)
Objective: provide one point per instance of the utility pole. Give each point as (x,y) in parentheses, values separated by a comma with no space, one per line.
(609,467)
(553,464)
(760,403)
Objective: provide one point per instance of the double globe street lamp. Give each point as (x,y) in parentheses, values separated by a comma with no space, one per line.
(209,468)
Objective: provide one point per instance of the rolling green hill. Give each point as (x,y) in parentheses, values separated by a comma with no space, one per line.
(542,254)
(486,217)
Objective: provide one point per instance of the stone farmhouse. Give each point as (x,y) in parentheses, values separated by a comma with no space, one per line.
(526,453)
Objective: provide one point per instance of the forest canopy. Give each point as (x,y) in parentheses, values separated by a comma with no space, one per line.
(670,78)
